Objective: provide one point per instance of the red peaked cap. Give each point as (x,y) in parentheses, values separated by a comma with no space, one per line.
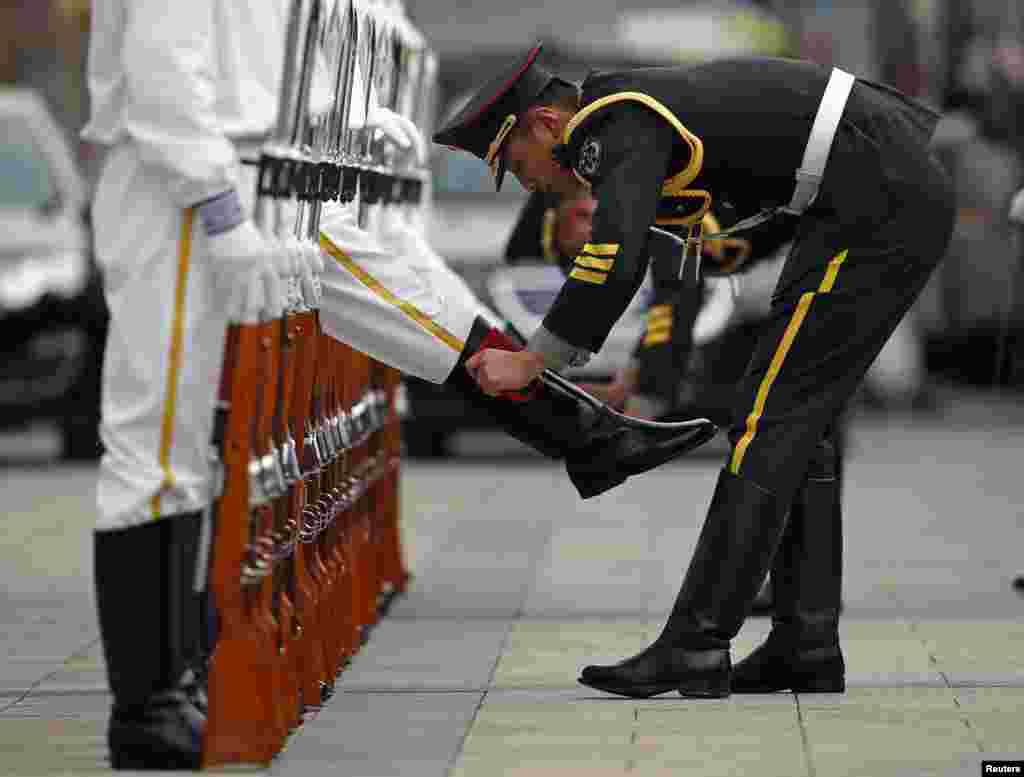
(493,110)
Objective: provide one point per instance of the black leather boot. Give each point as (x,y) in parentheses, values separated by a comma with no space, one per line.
(802,652)
(691,655)
(185,532)
(598,451)
(140,578)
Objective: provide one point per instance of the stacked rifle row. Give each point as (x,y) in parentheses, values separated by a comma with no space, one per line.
(305,545)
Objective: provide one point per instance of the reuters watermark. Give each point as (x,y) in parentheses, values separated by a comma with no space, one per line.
(1002,767)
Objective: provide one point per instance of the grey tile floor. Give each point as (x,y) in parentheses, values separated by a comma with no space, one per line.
(518,584)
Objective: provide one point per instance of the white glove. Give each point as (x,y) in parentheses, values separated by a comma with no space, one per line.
(389,124)
(238,251)
(232,240)
(257,296)
(1017,209)
(416,139)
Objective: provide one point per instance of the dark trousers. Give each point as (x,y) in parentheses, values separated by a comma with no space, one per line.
(860,259)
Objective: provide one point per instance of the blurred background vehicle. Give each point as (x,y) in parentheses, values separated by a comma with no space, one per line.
(51,305)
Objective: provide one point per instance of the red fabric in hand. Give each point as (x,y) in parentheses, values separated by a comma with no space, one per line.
(502,342)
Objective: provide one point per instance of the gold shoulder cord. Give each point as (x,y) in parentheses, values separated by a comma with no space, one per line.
(730,253)
(674,186)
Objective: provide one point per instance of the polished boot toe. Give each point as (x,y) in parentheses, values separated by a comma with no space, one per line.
(164,733)
(775,666)
(608,461)
(638,450)
(697,673)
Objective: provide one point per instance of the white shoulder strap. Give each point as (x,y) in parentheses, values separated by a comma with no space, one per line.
(826,121)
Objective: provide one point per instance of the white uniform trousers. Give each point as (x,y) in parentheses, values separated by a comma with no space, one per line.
(161,372)
(388,295)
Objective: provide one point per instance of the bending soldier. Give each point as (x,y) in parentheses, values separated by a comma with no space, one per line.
(388,294)
(656,145)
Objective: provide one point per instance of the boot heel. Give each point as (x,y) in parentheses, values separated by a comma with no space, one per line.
(713,685)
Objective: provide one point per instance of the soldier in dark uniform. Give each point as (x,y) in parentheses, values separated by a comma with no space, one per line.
(656,145)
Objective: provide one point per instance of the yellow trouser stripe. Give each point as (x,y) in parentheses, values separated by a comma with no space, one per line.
(830,274)
(174,359)
(588,276)
(780,356)
(381,291)
(601,249)
(594,264)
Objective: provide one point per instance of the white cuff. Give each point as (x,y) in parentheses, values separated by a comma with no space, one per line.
(557,353)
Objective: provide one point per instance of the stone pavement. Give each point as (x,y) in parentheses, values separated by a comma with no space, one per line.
(519,584)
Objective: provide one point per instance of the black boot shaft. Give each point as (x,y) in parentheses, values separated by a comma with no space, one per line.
(148,624)
(807,570)
(802,653)
(732,556)
(734,551)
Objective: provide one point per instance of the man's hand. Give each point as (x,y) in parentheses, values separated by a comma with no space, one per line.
(497,371)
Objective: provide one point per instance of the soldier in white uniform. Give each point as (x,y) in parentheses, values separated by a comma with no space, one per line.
(176,89)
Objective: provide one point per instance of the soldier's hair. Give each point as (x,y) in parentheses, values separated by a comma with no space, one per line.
(560,94)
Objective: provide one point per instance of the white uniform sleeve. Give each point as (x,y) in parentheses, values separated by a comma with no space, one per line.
(170,61)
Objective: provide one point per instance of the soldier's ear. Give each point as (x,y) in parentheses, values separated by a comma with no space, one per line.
(543,122)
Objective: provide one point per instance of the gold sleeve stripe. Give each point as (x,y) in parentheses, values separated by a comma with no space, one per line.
(658,326)
(779,357)
(594,264)
(601,249)
(174,360)
(659,311)
(656,338)
(588,276)
(378,288)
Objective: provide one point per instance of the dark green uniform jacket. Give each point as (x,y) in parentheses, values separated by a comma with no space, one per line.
(663,144)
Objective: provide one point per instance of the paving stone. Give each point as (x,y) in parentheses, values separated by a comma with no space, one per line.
(21,674)
(383,734)
(84,672)
(976,652)
(995,716)
(705,737)
(873,731)
(513,736)
(885,653)
(498,555)
(48,735)
(631,568)
(427,654)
